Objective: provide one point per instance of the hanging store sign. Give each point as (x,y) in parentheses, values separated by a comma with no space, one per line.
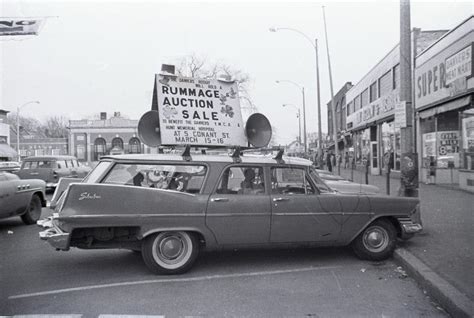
(195,111)
(19,26)
(401,114)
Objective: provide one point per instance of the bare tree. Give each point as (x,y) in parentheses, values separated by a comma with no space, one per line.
(196,66)
(56,127)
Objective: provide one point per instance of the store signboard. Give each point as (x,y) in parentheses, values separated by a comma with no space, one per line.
(380,108)
(459,65)
(445,69)
(19,26)
(204,112)
(401,114)
(429,145)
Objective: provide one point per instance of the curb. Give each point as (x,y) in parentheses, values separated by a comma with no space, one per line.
(450,298)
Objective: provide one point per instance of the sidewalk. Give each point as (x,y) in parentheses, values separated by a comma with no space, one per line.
(446,243)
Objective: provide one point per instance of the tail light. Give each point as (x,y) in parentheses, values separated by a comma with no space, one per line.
(55,175)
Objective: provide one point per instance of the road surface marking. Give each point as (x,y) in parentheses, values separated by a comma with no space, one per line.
(173,280)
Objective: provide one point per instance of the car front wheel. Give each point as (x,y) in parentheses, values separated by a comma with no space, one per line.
(33,211)
(170,252)
(377,242)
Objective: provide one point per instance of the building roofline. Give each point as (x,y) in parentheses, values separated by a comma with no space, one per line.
(445,35)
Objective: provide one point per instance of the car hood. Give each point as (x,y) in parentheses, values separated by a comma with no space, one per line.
(344,186)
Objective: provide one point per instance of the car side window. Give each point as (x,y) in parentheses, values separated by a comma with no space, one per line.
(44,164)
(61,164)
(289,180)
(26,165)
(34,165)
(182,178)
(242,180)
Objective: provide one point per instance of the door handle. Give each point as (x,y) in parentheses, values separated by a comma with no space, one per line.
(219,199)
(34,173)
(280,199)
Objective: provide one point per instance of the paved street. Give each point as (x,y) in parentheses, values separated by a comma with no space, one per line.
(322,282)
(446,242)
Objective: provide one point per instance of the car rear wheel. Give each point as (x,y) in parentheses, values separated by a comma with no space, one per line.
(33,211)
(170,252)
(377,242)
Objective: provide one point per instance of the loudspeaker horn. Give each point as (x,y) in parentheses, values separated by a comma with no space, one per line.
(258,130)
(149,129)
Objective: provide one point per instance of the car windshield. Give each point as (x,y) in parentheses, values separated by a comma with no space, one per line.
(323,187)
(97,172)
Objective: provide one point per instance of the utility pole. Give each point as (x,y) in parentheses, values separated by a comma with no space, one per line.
(409,160)
(333,107)
(320,131)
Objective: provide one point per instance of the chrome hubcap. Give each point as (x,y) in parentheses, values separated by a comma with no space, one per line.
(375,239)
(171,247)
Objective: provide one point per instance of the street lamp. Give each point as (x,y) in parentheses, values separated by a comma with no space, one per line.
(18,125)
(315,46)
(299,119)
(304,109)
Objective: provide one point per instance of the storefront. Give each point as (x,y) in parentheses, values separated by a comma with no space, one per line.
(444,88)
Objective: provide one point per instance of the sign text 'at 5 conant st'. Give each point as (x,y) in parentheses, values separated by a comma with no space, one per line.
(201,112)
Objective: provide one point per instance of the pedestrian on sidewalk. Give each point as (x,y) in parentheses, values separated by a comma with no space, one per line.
(346,160)
(329,161)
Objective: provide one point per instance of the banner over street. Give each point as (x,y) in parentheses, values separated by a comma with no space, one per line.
(204,112)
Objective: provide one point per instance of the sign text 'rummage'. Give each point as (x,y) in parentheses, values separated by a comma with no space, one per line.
(201,112)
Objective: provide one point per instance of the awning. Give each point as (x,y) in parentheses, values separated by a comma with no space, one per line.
(452,105)
(7,151)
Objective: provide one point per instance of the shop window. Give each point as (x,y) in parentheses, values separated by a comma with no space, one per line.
(391,145)
(441,141)
(99,148)
(350,108)
(364,97)
(134,145)
(357,103)
(373,92)
(467,132)
(117,142)
(396,76)
(385,84)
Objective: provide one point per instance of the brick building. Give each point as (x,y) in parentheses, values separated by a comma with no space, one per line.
(91,139)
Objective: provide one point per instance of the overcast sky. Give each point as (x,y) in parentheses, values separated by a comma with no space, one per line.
(94,56)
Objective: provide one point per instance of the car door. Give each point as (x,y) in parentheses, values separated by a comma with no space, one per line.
(238,215)
(300,212)
(7,195)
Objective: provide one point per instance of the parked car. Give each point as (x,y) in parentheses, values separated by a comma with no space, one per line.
(171,207)
(52,168)
(9,166)
(345,186)
(21,197)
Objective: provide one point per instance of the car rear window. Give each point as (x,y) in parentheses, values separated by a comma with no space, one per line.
(97,172)
(183,178)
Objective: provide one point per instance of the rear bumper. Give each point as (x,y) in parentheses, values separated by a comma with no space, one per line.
(54,235)
(409,227)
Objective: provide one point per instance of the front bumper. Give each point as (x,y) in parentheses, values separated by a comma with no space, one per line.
(54,235)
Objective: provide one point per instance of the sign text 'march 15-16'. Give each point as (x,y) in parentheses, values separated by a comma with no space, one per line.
(204,112)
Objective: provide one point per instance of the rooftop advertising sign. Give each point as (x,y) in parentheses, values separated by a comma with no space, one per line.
(204,112)
(19,26)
